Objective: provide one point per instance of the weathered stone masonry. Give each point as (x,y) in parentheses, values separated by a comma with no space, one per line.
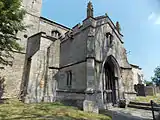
(13,74)
(85,66)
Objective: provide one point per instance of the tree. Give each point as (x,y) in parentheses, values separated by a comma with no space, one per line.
(148,83)
(156,78)
(11,17)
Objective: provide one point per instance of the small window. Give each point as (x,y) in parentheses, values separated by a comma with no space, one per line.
(69,78)
(109,38)
(55,34)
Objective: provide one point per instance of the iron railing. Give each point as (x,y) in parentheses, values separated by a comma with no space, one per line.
(155,108)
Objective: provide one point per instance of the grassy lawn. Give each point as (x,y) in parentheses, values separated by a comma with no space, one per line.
(15,110)
(148,99)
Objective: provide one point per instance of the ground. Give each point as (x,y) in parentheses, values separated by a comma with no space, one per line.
(13,109)
(130,114)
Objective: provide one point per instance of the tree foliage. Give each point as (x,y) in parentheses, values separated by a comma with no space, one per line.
(11,17)
(156,78)
(148,83)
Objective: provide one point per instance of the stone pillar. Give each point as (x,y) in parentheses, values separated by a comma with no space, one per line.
(100,95)
(90,103)
(121,89)
(89,10)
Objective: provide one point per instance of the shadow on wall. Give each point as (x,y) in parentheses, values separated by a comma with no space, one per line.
(2,86)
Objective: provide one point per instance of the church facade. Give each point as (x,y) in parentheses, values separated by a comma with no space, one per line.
(80,66)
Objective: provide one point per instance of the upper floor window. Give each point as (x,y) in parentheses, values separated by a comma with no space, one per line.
(109,38)
(55,33)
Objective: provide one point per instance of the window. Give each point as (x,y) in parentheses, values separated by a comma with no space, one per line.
(69,78)
(109,37)
(55,34)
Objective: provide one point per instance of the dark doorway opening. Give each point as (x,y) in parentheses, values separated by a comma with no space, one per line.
(111,82)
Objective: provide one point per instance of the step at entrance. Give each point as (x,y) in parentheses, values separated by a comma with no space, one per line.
(144,106)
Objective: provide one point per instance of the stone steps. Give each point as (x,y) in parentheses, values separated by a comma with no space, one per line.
(139,103)
(139,107)
(144,106)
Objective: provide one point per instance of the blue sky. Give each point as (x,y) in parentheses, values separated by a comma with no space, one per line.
(139,20)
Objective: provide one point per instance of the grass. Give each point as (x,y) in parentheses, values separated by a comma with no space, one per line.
(15,110)
(147,99)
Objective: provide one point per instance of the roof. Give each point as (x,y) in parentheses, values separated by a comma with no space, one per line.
(48,20)
(112,25)
(104,16)
(135,66)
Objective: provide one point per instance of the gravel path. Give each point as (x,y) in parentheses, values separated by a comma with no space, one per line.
(130,114)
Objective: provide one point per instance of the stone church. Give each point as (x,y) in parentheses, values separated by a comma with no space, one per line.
(77,66)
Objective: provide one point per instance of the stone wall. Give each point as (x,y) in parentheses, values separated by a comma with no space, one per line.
(71,98)
(73,50)
(48,26)
(152,90)
(78,77)
(35,23)
(127,80)
(40,76)
(137,75)
(103,49)
(13,76)
(32,6)
(88,43)
(129,96)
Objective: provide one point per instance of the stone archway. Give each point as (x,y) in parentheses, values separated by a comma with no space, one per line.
(111,77)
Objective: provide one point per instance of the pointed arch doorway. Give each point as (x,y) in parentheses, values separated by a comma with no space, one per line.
(111,81)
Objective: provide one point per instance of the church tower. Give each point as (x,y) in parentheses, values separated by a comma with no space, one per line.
(33,6)
(32,19)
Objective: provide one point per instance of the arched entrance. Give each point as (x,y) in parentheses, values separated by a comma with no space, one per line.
(111,81)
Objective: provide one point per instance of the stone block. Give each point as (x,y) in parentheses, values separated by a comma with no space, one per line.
(90,106)
(140,89)
(129,96)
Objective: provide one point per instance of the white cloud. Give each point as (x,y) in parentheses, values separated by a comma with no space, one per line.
(154,18)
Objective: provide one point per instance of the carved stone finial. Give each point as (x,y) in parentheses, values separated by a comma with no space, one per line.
(106,14)
(89,10)
(118,27)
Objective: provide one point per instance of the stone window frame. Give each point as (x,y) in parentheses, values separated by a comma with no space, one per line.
(109,38)
(55,33)
(69,78)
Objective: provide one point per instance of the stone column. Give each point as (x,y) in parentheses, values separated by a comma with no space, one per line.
(90,103)
(101,97)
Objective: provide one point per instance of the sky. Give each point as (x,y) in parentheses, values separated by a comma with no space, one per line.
(139,20)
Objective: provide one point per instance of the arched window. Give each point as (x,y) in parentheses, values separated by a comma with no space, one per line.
(55,33)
